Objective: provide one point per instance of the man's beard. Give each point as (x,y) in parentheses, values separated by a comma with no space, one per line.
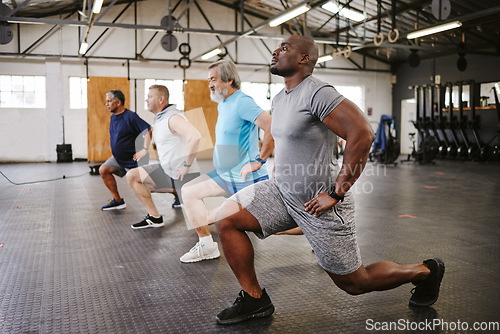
(218,95)
(281,73)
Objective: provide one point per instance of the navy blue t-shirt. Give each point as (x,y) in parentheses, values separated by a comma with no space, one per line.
(124,130)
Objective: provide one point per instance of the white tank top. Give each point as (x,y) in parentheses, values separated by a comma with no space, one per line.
(172,149)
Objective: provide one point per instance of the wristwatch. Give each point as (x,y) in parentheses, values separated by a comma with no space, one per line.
(262,161)
(334,195)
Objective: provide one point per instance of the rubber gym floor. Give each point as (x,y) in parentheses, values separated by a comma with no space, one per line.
(68,267)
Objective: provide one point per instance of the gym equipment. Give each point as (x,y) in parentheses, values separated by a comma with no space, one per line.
(462,125)
(386,146)
(414,152)
(452,131)
(441,123)
(432,123)
(454,148)
(428,146)
(94,169)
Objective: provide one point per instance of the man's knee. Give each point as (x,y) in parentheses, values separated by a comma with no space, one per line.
(223,219)
(352,288)
(133,175)
(354,284)
(189,192)
(105,170)
(232,216)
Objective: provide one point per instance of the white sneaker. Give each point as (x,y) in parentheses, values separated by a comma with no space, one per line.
(201,252)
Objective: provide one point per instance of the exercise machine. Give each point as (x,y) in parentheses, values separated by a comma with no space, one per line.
(386,147)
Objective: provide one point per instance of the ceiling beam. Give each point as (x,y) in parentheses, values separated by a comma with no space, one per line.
(15,10)
(48,33)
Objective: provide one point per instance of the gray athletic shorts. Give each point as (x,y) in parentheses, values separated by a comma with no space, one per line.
(332,235)
(119,170)
(163,182)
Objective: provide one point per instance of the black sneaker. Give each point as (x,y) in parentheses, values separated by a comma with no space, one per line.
(177,203)
(149,221)
(246,307)
(114,205)
(426,292)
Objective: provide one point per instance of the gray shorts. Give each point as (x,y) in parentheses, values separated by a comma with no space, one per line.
(163,182)
(119,170)
(332,235)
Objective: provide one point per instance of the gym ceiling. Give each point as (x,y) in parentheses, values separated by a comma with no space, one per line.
(381,34)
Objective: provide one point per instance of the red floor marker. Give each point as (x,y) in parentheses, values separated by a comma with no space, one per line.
(15,207)
(430,187)
(1,245)
(439,173)
(406,216)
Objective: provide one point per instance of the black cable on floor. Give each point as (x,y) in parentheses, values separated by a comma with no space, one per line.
(59,178)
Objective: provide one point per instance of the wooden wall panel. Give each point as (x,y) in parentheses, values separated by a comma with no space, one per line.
(197,95)
(98,116)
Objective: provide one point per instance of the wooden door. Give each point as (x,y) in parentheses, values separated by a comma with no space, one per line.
(197,95)
(98,116)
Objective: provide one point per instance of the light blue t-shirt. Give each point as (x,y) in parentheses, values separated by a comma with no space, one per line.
(236,137)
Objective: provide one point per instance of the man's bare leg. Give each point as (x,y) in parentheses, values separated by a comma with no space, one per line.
(193,194)
(138,179)
(232,222)
(109,181)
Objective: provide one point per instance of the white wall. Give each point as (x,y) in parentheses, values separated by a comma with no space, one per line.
(32,134)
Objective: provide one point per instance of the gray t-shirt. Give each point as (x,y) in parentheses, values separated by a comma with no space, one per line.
(304,147)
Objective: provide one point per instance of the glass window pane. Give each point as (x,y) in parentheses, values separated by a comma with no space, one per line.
(5,99)
(39,99)
(29,84)
(22,91)
(74,99)
(77,93)
(74,92)
(83,85)
(29,100)
(17,83)
(17,100)
(259,92)
(354,93)
(5,83)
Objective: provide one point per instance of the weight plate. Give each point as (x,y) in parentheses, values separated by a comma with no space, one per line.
(169,42)
(441,9)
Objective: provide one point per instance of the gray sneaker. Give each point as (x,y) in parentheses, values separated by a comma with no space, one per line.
(201,252)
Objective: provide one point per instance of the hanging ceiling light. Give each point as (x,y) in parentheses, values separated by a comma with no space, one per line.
(346,12)
(434,30)
(289,15)
(324,58)
(210,54)
(83,48)
(96,9)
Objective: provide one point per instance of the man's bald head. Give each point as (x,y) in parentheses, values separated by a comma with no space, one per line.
(307,46)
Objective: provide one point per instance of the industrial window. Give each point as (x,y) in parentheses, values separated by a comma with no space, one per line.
(262,93)
(354,93)
(25,91)
(175,90)
(77,93)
